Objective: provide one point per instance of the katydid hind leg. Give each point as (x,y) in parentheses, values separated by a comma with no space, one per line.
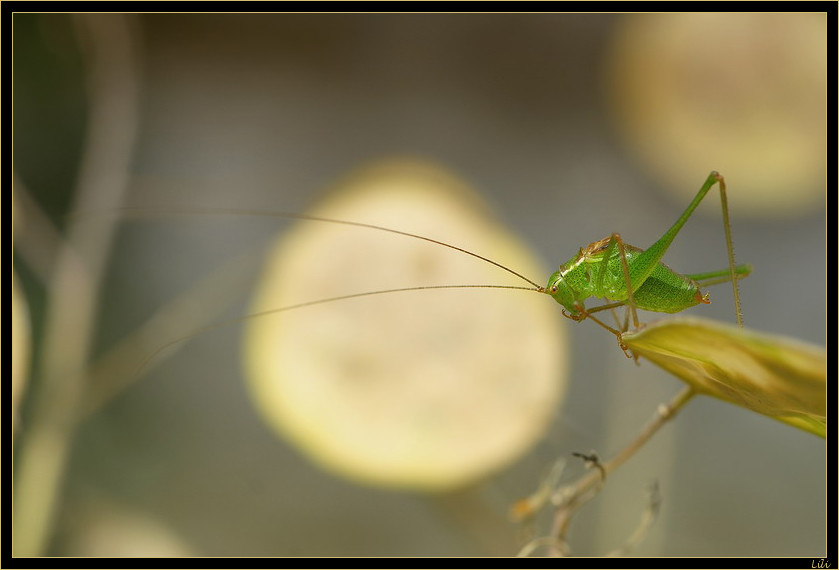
(729,244)
(720,276)
(646,262)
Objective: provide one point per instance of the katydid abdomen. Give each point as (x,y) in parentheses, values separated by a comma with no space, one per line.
(666,291)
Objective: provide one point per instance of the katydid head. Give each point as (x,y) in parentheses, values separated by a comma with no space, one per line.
(559,288)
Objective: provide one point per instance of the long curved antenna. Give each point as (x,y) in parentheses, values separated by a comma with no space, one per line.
(243,318)
(296,216)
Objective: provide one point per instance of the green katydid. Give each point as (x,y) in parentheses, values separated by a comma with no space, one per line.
(608,269)
(637,278)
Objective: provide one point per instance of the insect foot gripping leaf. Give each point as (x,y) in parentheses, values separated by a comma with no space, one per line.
(773,375)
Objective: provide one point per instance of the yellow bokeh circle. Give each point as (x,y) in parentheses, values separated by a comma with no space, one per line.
(744,94)
(422,390)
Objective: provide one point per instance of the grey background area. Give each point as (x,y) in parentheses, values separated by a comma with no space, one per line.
(264,112)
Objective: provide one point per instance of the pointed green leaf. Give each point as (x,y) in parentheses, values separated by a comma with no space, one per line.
(773,375)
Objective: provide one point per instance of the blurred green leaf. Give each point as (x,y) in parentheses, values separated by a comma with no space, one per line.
(776,376)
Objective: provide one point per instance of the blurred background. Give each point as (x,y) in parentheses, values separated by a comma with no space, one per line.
(568,127)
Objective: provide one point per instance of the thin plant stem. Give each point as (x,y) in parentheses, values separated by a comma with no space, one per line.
(111,52)
(569,498)
(115,370)
(36,238)
(648,517)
